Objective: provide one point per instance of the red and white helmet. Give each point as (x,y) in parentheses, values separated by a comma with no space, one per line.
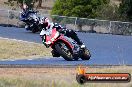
(45,21)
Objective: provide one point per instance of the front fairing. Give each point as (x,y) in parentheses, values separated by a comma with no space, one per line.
(51,36)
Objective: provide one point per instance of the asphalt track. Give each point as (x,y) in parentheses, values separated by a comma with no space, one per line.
(105,49)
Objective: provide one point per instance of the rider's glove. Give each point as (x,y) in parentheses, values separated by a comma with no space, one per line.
(63,31)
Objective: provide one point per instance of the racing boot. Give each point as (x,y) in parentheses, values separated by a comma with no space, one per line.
(79,42)
(74,36)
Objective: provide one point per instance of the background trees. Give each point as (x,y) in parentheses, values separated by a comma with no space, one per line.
(101,9)
(30,3)
(126,10)
(78,8)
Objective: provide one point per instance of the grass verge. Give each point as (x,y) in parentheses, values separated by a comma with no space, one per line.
(55,77)
(13,49)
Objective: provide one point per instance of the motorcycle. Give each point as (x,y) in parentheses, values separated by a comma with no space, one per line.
(65,47)
(33,22)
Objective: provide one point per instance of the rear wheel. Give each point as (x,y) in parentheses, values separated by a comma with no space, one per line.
(64,51)
(86,54)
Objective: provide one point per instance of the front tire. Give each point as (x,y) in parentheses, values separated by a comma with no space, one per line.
(55,54)
(34,30)
(66,54)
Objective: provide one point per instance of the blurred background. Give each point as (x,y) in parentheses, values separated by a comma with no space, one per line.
(102,16)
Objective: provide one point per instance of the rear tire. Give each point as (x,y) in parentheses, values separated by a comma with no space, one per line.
(67,56)
(86,55)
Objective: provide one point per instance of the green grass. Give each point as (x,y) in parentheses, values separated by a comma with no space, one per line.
(12,49)
(18,82)
(55,77)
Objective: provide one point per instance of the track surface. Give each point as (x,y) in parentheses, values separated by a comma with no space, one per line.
(105,49)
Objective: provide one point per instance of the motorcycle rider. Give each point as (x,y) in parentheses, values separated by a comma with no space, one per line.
(24,16)
(47,26)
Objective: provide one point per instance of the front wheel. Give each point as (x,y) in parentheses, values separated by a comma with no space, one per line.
(64,51)
(34,30)
(86,54)
(55,54)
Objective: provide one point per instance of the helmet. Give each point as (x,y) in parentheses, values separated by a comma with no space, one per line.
(45,21)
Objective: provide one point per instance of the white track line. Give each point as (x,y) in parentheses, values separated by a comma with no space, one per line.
(18,40)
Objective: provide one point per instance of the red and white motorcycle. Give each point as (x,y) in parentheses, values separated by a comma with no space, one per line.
(65,47)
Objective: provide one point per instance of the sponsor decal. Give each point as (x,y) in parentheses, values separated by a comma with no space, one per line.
(83,77)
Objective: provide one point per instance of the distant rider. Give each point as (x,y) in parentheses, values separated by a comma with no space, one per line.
(24,16)
(47,26)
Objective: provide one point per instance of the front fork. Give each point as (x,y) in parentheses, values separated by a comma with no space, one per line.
(44,40)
